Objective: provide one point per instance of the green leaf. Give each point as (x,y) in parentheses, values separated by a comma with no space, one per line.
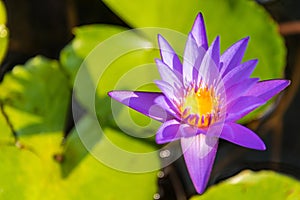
(31,169)
(2,13)
(86,39)
(111,147)
(35,174)
(3,31)
(6,136)
(89,36)
(35,96)
(113,58)
(246,18)
(250,185)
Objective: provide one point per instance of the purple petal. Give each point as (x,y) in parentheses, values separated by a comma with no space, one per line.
(209,69)
(199,60)
(172,130)
(214,50)
(239,73)
(240,88)
(267,89)
(166,104)
(233,55)
(242,136)
(190,56)
(199,154)
(173,94)
(143,102)
(168,75)
(199,32)
(242,106)
(168,132)
(168,55)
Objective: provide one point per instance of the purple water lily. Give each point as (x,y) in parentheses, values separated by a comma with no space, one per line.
(202,98)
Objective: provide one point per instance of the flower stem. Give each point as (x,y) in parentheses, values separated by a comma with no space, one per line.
(8,122)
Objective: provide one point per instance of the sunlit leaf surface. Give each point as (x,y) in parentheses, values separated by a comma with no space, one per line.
(35,174)
(3,31)
(247,185)
(36,97)
(134,69)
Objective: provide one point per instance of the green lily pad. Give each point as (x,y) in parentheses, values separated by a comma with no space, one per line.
(246,18)
(113,58)
(35,174)
(35,98)
(6,137)
(86,39)
(111,147)
(3,31)
(37,92)
(2,13)
(89,36)
(254,185)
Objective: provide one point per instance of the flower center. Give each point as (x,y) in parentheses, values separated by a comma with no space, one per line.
(199,107)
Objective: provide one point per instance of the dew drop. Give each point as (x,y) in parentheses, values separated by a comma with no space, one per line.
(156,196)
(160,174)
(164,153)
(3,31)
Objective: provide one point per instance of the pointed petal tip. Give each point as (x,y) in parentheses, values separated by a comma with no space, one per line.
(214,51)
(157,60)
(199,19)
(246,39)
(233,55)
(263,147)
(119,95)
(252,63)
(200,15)
(260,145)
(158,140)
(266,89)
(112,93)
(160,38)
(168,55)
(199,189)
(199,32)
(242,136)
(255,61)
(284,83)
(199,157)
(216,41)
(163,43)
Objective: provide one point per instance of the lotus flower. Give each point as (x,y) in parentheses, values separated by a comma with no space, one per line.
(202,98)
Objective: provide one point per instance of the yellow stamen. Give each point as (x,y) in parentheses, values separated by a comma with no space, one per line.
(198,107)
